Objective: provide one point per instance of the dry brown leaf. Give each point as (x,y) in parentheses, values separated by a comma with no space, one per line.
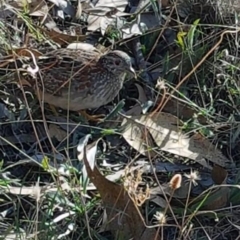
(219,175)
(218,199)
(221,195)
(124,220)
(165,130)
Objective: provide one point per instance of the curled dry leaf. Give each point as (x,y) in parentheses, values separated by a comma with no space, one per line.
(164,129)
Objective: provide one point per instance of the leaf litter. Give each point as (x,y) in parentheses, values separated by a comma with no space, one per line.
(45,147)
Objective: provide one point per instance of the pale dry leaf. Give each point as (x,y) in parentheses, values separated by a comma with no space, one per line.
(133,28)
(91,151)
(165,130)
(82,143)
(138,137)
(81,45)
(65,6)
(33,191)
(97,15)
(50,24)
(38,9)
(142,23)
(207,150)
(79,10)
(105,23)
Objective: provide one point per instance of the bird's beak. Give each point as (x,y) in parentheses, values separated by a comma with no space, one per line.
(132,72)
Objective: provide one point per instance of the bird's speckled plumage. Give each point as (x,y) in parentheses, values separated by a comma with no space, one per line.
(75,79)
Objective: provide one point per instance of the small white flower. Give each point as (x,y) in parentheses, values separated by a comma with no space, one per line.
(160,217)
(193,177)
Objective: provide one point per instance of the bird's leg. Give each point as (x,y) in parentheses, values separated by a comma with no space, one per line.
(93,118)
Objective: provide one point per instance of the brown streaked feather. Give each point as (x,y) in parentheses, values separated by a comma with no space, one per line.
(61,68)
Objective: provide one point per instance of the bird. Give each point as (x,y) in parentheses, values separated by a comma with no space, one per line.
(77,79)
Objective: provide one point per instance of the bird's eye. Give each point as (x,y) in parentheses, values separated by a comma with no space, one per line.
(117,62)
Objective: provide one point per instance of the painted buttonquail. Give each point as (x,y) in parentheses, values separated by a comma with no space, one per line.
(76,79)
